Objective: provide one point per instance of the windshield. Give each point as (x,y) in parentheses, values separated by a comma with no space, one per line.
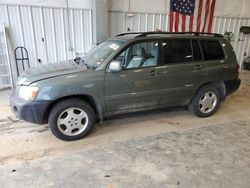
(100,53)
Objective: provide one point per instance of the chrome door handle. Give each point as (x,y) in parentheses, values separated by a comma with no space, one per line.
(198,67)
(153,73)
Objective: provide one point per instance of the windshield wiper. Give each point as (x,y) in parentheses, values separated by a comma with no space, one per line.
(77,60)
(80,61)
(87,65)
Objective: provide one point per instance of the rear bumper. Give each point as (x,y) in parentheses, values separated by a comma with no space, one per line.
(232,86)
(31,111)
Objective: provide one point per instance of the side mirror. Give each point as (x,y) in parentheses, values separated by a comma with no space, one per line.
(115,66)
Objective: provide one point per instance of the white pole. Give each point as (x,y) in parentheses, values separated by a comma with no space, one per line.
(8,57)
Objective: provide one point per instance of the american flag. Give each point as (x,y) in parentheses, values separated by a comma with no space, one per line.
(191,15)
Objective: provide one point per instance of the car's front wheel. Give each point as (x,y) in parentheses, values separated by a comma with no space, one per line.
(71,119)
(206,101)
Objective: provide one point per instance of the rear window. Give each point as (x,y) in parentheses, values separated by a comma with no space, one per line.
(212,50)
(177,51)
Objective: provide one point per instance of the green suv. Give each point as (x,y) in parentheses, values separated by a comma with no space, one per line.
(127,73)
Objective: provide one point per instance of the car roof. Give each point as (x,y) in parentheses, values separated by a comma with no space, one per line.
(159,34)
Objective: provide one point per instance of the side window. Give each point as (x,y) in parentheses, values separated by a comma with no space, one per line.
(212,50)
(196,51)
(177,51)
(142,54)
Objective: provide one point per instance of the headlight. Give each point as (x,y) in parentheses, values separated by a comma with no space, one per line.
(28,93)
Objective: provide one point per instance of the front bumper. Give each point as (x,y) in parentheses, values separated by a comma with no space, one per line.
(31,111)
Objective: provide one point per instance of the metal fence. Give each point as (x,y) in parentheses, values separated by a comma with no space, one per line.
(49,34)
(138,21)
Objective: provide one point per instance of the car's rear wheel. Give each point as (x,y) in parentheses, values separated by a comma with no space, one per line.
(71,119)
(206,101)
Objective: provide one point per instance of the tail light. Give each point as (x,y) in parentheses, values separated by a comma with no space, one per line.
(238,71)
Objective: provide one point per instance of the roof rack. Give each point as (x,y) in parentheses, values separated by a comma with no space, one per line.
(144,34)
(130,33)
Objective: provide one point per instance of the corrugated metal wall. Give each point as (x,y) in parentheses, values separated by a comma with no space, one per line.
(49,34)
(123,22)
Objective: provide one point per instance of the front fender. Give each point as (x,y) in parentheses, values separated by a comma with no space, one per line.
(81,85)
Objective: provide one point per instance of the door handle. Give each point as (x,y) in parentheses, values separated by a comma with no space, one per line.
(226,67)
(198,67)
(153,73)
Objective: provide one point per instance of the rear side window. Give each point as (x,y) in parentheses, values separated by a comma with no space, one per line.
(212,50)
(177,51)
(196,50)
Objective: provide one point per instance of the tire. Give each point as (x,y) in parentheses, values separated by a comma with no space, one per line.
(71,119)
(206,101)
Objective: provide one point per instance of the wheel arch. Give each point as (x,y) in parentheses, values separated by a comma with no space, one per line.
(87,98)
(218,85)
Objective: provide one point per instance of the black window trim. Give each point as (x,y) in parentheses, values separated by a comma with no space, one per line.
(200,49)
(202,54)
(224,51)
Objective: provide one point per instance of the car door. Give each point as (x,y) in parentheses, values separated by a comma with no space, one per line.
(137,85)
(215,59)
(182,72)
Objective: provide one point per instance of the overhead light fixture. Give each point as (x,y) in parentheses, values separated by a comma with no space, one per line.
(130,14)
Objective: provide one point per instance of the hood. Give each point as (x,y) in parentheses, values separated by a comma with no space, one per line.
(49,70)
